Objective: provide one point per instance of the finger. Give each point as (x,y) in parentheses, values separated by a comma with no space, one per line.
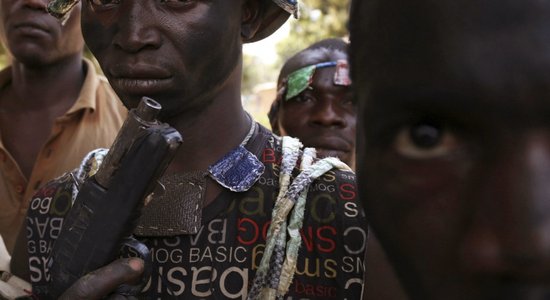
(104,281)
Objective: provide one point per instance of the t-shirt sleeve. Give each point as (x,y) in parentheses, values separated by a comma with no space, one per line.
(45,215)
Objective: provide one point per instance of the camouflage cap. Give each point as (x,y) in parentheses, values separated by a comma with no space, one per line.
(277,12)
(275,15)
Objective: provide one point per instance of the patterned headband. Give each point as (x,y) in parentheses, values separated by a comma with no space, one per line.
(299,80)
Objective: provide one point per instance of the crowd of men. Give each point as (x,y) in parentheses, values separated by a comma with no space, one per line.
(440,109)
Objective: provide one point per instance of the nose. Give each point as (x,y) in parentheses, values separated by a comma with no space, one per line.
(327,114)
(507,231)
(136,32)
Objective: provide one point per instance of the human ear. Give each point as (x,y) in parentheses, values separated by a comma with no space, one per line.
(251,18)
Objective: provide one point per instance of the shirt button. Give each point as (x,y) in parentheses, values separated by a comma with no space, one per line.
(19,189)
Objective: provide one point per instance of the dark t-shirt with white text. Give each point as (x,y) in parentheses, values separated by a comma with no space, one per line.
(219,262)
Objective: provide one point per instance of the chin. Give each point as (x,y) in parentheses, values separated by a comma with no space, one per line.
(129,101)
(333,153)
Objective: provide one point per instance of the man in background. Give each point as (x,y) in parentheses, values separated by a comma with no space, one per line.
(454,143)
(315,104)
(233,219)
(54,107)
(314,101)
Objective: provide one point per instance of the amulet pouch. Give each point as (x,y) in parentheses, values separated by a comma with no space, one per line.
(105,214)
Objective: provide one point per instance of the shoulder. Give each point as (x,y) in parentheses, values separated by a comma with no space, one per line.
(64,187)
(104,93)
(335,194)
(345,181)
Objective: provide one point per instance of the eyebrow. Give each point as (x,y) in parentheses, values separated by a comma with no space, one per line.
(421,97)
(465,103)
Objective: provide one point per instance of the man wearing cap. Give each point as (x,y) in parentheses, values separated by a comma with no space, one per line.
(211,237)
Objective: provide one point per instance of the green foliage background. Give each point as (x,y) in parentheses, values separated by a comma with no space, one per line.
(319,19)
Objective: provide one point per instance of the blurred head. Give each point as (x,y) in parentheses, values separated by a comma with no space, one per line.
(454,142)
(35,38)
(180,53)
(314,102)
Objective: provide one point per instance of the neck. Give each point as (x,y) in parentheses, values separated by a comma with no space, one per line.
(210,133)
(47,87)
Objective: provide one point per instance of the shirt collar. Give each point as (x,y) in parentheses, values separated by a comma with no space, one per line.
(88,94)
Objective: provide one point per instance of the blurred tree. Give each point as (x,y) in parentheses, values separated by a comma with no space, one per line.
(319,19)
(4,57)
(256,72)
(258,77)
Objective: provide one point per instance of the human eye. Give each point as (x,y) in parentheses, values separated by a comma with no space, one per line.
(102,4)
(177,3)
(302,98)
(425,139)
(349,100)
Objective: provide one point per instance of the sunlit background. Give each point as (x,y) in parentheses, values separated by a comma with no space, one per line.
(319,19)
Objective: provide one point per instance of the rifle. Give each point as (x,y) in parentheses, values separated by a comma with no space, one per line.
(109,203)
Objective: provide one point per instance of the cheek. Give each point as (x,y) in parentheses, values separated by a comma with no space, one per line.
(215,54)
(97,36)
(293,119)
(74,33)
(351,120)
(92,36)
(414,203)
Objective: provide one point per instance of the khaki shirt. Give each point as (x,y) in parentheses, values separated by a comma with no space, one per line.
(92,122)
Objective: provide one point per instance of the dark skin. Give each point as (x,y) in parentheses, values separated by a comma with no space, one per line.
(323,116)
(155,58)
(381,282)
(326,115)
(454,146)
(160,49)
(47,74)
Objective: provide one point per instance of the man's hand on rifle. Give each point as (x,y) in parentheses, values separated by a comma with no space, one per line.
(104,281)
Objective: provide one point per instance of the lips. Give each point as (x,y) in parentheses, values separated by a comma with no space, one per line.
(31,27)
(329,144)
(139,79)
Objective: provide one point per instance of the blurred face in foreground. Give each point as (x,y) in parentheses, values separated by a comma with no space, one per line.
(454,143)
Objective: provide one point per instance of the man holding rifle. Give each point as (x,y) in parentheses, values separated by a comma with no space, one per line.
(218,228)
